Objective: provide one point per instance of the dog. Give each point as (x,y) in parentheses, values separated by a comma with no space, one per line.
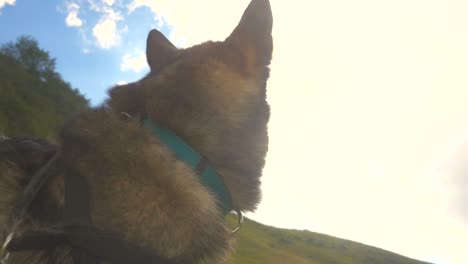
(210,99)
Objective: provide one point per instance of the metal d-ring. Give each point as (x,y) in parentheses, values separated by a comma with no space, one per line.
(125,116)
(240,221)
(4,254)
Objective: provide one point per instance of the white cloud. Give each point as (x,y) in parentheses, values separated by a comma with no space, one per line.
(106,33)
(72,19)
(136,62)
(112,14)
(105,8)
(6,2)
(109,2)
(95,6)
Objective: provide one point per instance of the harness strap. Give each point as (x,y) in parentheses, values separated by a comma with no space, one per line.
(36,240)
(76,212)
(101,245)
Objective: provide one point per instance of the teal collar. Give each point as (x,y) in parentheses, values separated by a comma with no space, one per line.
(185,152)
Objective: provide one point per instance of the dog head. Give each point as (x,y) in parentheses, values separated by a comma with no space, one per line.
(213,95)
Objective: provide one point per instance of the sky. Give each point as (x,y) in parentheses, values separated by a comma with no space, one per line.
(369,126)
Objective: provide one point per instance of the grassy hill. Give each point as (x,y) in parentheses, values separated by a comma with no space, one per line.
(34,99)
(259,243)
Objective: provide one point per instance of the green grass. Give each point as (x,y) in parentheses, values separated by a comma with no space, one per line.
(259,243)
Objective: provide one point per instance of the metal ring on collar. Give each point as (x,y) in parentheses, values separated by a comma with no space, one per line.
(240,221)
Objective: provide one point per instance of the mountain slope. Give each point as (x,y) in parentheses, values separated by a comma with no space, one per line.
(258,243)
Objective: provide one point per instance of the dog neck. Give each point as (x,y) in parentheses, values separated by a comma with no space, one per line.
(183,151)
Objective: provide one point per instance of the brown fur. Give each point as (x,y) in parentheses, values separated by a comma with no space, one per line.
(212,95)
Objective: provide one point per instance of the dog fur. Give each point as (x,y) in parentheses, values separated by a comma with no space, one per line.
(212,95)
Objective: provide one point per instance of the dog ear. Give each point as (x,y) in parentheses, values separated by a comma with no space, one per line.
(159,50)
(252,36)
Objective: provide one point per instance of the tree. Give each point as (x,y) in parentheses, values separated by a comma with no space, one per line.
(34,99)
(27,52)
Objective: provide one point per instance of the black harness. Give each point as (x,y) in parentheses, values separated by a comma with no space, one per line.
(89,244)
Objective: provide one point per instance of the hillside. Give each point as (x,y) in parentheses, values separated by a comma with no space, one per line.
(259,243)
(35,100)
